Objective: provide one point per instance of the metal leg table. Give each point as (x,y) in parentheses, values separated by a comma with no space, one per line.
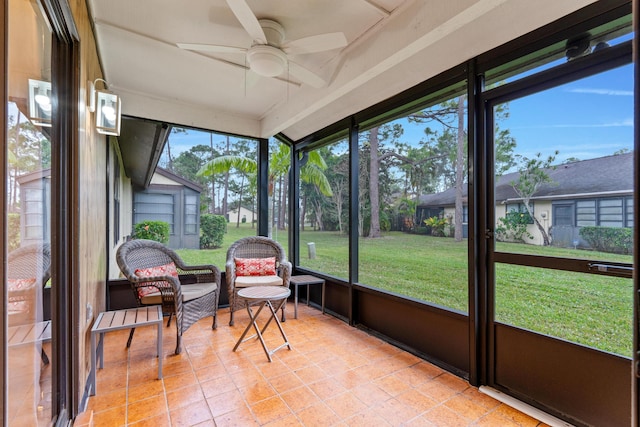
(264,296)
(122,319)
(307,280)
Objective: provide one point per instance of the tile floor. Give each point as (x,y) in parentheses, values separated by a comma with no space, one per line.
(334,375)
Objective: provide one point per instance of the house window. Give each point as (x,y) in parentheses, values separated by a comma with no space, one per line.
(563,215)
(190,214)
(586,213)
(33,213)
(610,213)
(629,212)
(154,207)
(604,213)
(465,214)
(519,207)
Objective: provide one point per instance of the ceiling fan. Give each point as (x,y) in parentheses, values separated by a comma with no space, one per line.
(268,53)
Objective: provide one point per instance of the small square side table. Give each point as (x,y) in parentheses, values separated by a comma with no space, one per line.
(123,319)
(308,280)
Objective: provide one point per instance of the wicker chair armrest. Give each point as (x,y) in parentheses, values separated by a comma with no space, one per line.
(140,281)
(205,270)
(285,272)
(230,276)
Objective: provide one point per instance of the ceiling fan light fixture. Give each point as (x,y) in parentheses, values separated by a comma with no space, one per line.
(268,61)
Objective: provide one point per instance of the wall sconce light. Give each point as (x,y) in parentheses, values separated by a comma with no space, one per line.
(40,107)
(106,105)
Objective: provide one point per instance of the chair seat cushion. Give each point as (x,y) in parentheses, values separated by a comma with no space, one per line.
(189,292)
(246,281)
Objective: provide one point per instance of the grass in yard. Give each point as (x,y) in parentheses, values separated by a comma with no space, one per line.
(589,309)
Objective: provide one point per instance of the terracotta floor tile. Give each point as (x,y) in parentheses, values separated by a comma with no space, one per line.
(436,390)
(239,418)
(270,410)
(516,416)
(465,407)
(300,398)
(108,399)
(395,411)
(285,382)
(257,392)
(334,375)
(346,405)
(318,415)
(191,414)
(179,381)
(146,408)
(366,419)
(494,419)
(371,394)
(416,400)
(145,391)
(160,420)
(113,417)
(327,388)
(217,386)
(226,402)
(184,396)
(392,385)
(288,421)
(453,382)
(442,416)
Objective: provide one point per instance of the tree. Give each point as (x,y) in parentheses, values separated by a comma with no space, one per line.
(532,175)
(311,171)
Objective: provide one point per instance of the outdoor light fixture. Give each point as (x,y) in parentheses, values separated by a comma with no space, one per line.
(106,105)
(40,102)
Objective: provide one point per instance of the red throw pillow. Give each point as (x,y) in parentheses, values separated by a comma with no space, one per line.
(255,266)
(160,270)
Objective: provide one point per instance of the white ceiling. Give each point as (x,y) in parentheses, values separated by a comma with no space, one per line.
(392,45)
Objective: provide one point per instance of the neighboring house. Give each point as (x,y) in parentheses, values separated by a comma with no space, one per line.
(172,199)
(245,215)
(595,192)
(35,201)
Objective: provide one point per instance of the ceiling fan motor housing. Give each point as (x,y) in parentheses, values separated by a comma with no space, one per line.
(268,61)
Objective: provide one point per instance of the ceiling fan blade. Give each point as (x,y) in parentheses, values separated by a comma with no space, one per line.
(318,43)
(306,76)
(211,48)
(248,20)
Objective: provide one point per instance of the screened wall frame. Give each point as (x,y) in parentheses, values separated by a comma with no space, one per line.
(479,90)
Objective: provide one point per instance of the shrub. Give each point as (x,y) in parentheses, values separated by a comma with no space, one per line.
(152,230)
(617,240)
(212,229)
(436,225)
(513,227)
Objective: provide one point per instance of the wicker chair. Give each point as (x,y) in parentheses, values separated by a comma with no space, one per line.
(255,247)
(28,271)
(191,293)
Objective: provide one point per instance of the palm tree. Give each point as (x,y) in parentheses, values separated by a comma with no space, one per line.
(279,162)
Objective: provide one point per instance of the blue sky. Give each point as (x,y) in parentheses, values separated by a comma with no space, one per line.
(589,118)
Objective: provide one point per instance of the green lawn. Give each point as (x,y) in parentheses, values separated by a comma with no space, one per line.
(588,309)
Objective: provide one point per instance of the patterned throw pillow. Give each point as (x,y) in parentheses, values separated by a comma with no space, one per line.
(160,270)
(255,266)
(18,285)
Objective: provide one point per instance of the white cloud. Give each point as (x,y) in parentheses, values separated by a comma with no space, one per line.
(611,92)
(622,123)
